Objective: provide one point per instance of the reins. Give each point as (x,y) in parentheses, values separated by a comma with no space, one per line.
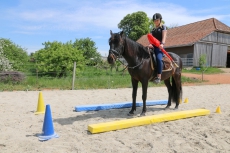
(133,67)
(151,60)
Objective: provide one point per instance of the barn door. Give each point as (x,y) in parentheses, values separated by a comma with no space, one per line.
(202,49)
(219,55)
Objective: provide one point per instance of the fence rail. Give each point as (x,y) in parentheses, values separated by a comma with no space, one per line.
(90,77)
(187,61)
(100,76)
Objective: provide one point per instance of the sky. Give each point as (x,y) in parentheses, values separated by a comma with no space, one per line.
(29,23)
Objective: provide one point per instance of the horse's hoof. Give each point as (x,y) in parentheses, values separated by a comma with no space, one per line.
(130,114)
(175,108)
(167,108)
(142,114)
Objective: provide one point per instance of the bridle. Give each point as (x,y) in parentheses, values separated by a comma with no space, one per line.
(118,54)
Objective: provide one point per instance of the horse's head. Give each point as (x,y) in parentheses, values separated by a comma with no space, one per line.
(116,46)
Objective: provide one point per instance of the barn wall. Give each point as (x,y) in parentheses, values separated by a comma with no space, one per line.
(183,52)
(219,55)
(224,38)
(215,47)
(202,49)
(217,37)
(216,54)
(211,38)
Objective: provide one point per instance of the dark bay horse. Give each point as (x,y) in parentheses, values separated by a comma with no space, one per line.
(139,67)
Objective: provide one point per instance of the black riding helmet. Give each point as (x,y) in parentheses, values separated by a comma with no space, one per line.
(157,16)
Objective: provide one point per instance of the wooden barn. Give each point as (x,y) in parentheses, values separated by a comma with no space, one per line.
(209,37)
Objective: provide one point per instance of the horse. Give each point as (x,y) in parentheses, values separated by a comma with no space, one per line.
(139,68)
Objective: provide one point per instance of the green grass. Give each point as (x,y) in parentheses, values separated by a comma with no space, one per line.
(208,70)
(102,82)
(90,78)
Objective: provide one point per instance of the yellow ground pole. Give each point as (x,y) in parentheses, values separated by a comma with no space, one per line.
(127,123)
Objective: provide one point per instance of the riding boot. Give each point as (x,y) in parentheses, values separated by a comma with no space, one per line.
(157,80)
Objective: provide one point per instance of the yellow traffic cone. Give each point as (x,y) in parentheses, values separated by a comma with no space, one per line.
(186,100)
(218,109)
(41,105)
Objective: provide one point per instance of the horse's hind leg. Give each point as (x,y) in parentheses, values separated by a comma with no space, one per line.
(169,87)
(134,95)
(177,88)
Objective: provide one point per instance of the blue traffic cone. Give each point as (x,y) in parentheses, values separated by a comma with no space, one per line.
(47,129)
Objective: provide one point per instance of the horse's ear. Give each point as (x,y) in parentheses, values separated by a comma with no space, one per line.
(121,33)
(111,32)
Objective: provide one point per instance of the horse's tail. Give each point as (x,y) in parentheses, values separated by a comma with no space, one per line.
(176,90)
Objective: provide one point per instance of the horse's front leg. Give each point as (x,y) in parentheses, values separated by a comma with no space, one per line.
(134,95)
(144,96)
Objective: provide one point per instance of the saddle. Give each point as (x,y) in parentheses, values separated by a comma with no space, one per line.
(167,63)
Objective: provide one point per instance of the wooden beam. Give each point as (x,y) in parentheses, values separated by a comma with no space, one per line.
(123,124)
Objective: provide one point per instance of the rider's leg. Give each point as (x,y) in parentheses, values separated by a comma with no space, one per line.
(159,56)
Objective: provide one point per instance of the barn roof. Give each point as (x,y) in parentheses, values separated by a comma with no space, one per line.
(187,35)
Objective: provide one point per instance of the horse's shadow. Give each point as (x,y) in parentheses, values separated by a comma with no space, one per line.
(105,114)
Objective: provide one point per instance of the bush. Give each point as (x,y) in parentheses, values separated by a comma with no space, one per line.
(13,54)
(11,77)
(202,61)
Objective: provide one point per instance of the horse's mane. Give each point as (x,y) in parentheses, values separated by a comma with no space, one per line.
(138,49)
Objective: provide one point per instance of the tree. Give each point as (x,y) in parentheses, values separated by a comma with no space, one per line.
(16,55)
(4,62)
(56,58)
(202,61)
(87,47)
(135,25)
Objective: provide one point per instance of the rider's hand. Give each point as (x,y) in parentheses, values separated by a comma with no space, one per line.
(150,46)
(161,46)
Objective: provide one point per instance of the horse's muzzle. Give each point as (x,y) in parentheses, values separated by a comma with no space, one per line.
(111,59)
